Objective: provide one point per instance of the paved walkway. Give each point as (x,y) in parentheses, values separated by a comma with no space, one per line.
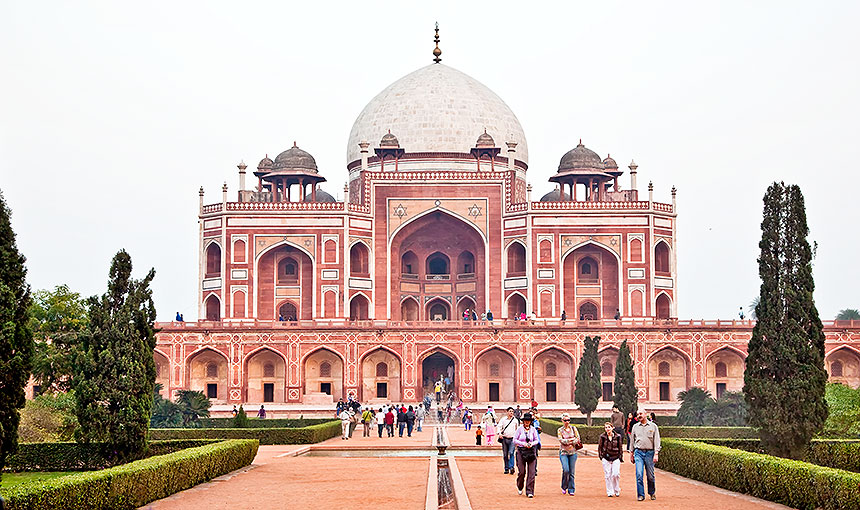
(280,480)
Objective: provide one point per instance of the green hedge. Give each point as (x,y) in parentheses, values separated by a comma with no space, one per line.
(789,482)
(70,456)
(304,435)
(289,423)
(591,434)
(135,484)
(833,453)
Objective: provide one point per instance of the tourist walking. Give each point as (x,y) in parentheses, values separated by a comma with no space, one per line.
(569,442)
(645,442)
(380,422)
(478,434)
(353,421)
(507,428)
(437,389)
(401,421)
(420,413)
(410,421)
(489,422)
(617,420)
(261,414)
(366,420)
(389,422)
(344,424)
(467,419)
(341,405)
(526,440)
(610,452)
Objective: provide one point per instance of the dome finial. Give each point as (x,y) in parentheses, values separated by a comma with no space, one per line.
(437,52)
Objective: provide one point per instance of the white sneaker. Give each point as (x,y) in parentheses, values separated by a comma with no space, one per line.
(520,492)
(531,495)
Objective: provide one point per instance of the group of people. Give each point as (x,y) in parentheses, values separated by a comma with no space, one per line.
(406,418)
(473,315)
(520,438)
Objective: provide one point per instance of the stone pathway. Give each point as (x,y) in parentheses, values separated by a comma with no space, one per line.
(280,480)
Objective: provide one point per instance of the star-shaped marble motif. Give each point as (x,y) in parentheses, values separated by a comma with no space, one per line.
(613,241)
(475,211)
(308,243)
(568,242)
(400,211)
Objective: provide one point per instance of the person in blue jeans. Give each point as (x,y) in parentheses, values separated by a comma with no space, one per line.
(569,441)
(645,451)
(508,425)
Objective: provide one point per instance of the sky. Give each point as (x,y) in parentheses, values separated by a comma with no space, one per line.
(113,114)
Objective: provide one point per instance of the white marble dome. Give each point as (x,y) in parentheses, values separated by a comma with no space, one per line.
(436,109)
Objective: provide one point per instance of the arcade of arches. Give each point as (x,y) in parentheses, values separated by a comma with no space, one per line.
(441,265)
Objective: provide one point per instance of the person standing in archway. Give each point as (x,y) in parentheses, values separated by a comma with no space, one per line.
(437,389)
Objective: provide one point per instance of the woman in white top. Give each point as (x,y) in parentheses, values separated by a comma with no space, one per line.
(380,421)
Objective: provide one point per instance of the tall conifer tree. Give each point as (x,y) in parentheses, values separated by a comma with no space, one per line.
(588,387)
(784,380)
(16,339)
(626,395)
(115,369)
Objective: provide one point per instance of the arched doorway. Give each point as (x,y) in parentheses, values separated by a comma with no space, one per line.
(661,259)
(516,306)
(436,366)
(284,271)
(591,270)
(466,303)
(725,372)
(588,311)
(516,260)
(668,375)
(359,308)
(664,307)
(608,359)
(359,260)
(440,256)
(213,260)
(265,376)
(324,374)
(553,376)
(287,311)
(380,377)
(207,372)
(409,310)
(843,366)
(438,310)
(495,380)
(213,308)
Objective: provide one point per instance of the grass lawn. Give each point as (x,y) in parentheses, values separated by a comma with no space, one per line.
(12,479)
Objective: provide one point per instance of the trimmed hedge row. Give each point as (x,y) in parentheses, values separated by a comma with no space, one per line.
(833,453)
(304,435)
(590,435)
(69,456)
(289,423)
(135,484)
(789,482)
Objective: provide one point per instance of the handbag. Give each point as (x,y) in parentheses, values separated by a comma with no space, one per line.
(528,454)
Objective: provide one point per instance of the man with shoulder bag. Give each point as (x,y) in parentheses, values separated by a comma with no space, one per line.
(507,427)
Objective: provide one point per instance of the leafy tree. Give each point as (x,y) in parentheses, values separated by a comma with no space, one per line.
(730,410)
(16,338)
(48,418)
(588,387)
(193,405)
(165,414)
(240,421)
(848,314)
(751,308)
(626,395)
(694,403)
(57,318)
(114,375)
(784,380)
(844,405)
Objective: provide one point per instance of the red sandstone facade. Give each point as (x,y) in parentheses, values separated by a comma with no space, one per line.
(305,299)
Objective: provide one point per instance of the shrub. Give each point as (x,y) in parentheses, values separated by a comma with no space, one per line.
(82,457)
(289,423)
(837,454)
(590,435)
(844,406)
(789,482)
(48,418)
(303,435)
(240,421)
(135,484)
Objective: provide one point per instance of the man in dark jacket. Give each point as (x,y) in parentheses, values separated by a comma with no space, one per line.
(401,421)
(410,421)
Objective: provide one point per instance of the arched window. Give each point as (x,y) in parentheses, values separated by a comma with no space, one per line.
(546,250)
(661,258)
(213,308)
(606,369)
(466,263)
(359,260)
(550,370)
(494,370)
(588,312)
(437,264)
(325,369)
(636,250)
(268,370)
(288,271)
(330,255)
(211,370)
(663,369)
(836,369)
(381,370)
(287,312)
(588,270)
(213,260)
(409,263)
(239,251)
(720,370)
(664,307)
(516,260)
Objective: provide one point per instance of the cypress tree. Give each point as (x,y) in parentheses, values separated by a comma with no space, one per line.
(114,375)
(588,387)
(626,395)
(785,379)
(16,338)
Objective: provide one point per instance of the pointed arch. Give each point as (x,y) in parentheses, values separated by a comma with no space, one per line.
(359,258)
(212,307)
(666,387)
(495,375)
(318,381)
(662,258)
(437,309)
(663,306)
(359,307)
(515,256)
(381,374)
(258,386)
(441,210)
(199,377)
(611,280)
(409,309)
(553,373)
(511,307)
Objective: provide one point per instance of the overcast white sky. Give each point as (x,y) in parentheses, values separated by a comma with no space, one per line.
(113,114)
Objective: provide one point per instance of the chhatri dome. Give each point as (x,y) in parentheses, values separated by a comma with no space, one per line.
(437,109)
